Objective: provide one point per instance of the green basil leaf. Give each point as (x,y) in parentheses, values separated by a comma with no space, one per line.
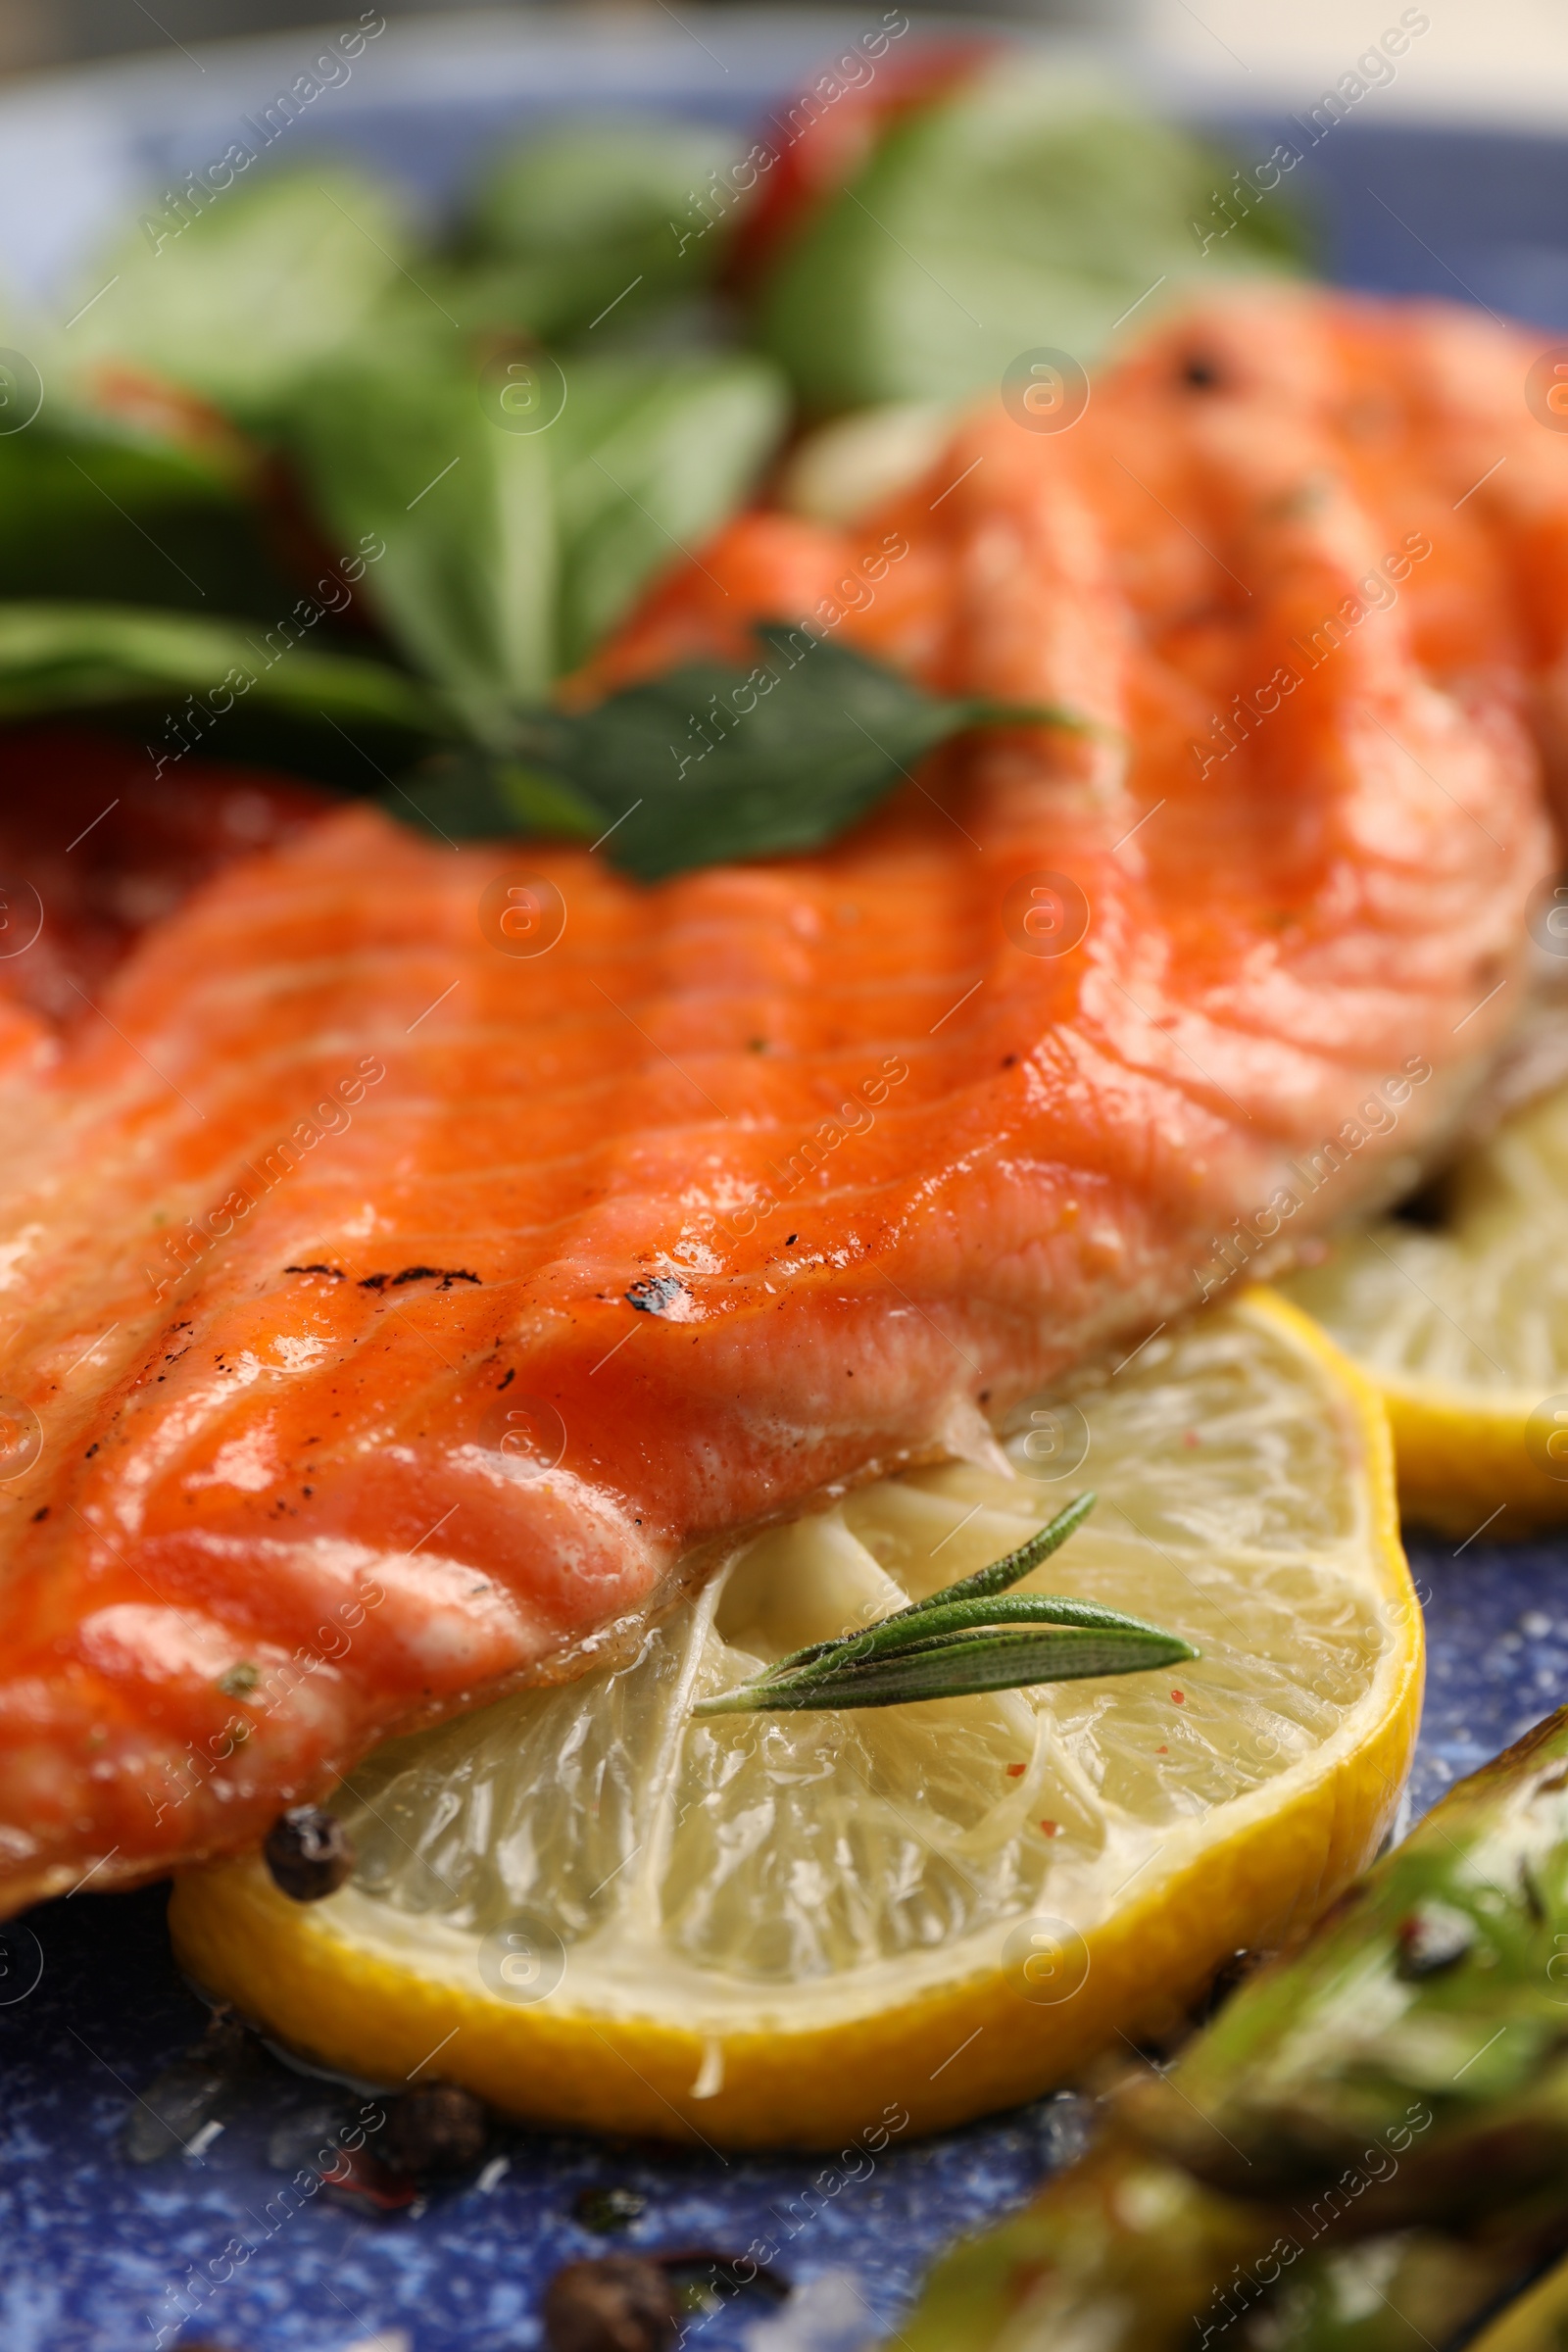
(391,442)
(649,460)
(510,553)
(191,672)
(598,214)
(1029,211)
(91,508)
(474,795)
(711,762)
(234,292)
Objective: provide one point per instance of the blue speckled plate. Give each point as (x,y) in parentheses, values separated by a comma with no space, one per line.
(97,2255)
(100,2255)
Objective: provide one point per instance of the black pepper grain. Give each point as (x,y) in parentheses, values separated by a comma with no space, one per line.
(437,2127)
(615,2303)
(308,1853)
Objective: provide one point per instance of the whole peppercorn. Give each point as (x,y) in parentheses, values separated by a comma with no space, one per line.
(617,2303)
(435,2128)
(308,1853)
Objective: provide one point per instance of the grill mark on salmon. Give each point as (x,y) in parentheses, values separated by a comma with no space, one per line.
(875,1159)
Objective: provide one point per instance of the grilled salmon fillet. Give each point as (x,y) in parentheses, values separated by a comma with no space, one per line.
(418,1251)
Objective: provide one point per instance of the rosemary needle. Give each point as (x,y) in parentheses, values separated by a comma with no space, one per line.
(963,1640)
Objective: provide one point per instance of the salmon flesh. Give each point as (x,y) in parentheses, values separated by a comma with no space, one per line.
(412,1256)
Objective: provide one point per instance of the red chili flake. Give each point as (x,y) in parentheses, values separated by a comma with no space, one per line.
(360,2179)
(1190,1437)
(1051,1828)
(1015,1772)
(1162,1751)
(1180,1696)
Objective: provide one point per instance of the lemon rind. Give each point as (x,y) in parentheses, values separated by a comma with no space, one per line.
(957,2038)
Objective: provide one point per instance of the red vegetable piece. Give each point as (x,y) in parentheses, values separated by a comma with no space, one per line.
(821,142)
(109,849)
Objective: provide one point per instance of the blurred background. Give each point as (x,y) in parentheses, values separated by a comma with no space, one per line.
(54,33)
(1481,51)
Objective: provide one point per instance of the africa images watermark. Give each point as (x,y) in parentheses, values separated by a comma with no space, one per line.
(185,2298)
(857,1116)
(261,1690)
(1378,592)
(1231,2302)
(853,2165)
(202,714)
(854,71)
(859,594)
(202,188)
(1378,1115)
(1374,70)
(332,1115)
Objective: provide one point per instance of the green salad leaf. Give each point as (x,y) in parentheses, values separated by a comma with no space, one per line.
(510,553)
(709,762)
(116,511)
(236,292)
(593,214)
(519,500)
(648,459)
(393,445)
(1027,211)
(194,672)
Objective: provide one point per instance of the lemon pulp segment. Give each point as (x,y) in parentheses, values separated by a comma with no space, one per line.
(775,1929)
(1464,1330)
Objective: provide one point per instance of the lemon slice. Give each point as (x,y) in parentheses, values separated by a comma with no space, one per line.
(775,1929)
(1537,2323)
(1464,1330)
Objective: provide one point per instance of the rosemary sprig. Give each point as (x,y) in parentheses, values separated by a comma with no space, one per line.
(963,1640)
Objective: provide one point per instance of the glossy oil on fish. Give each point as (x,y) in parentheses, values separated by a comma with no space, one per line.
(415,1252)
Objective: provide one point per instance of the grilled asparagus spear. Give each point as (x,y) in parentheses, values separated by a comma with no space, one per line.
(1395,2293)
(1127,2254)
(1537,2323)
(1116,2256)
(1365,2149)
(1426,2017)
